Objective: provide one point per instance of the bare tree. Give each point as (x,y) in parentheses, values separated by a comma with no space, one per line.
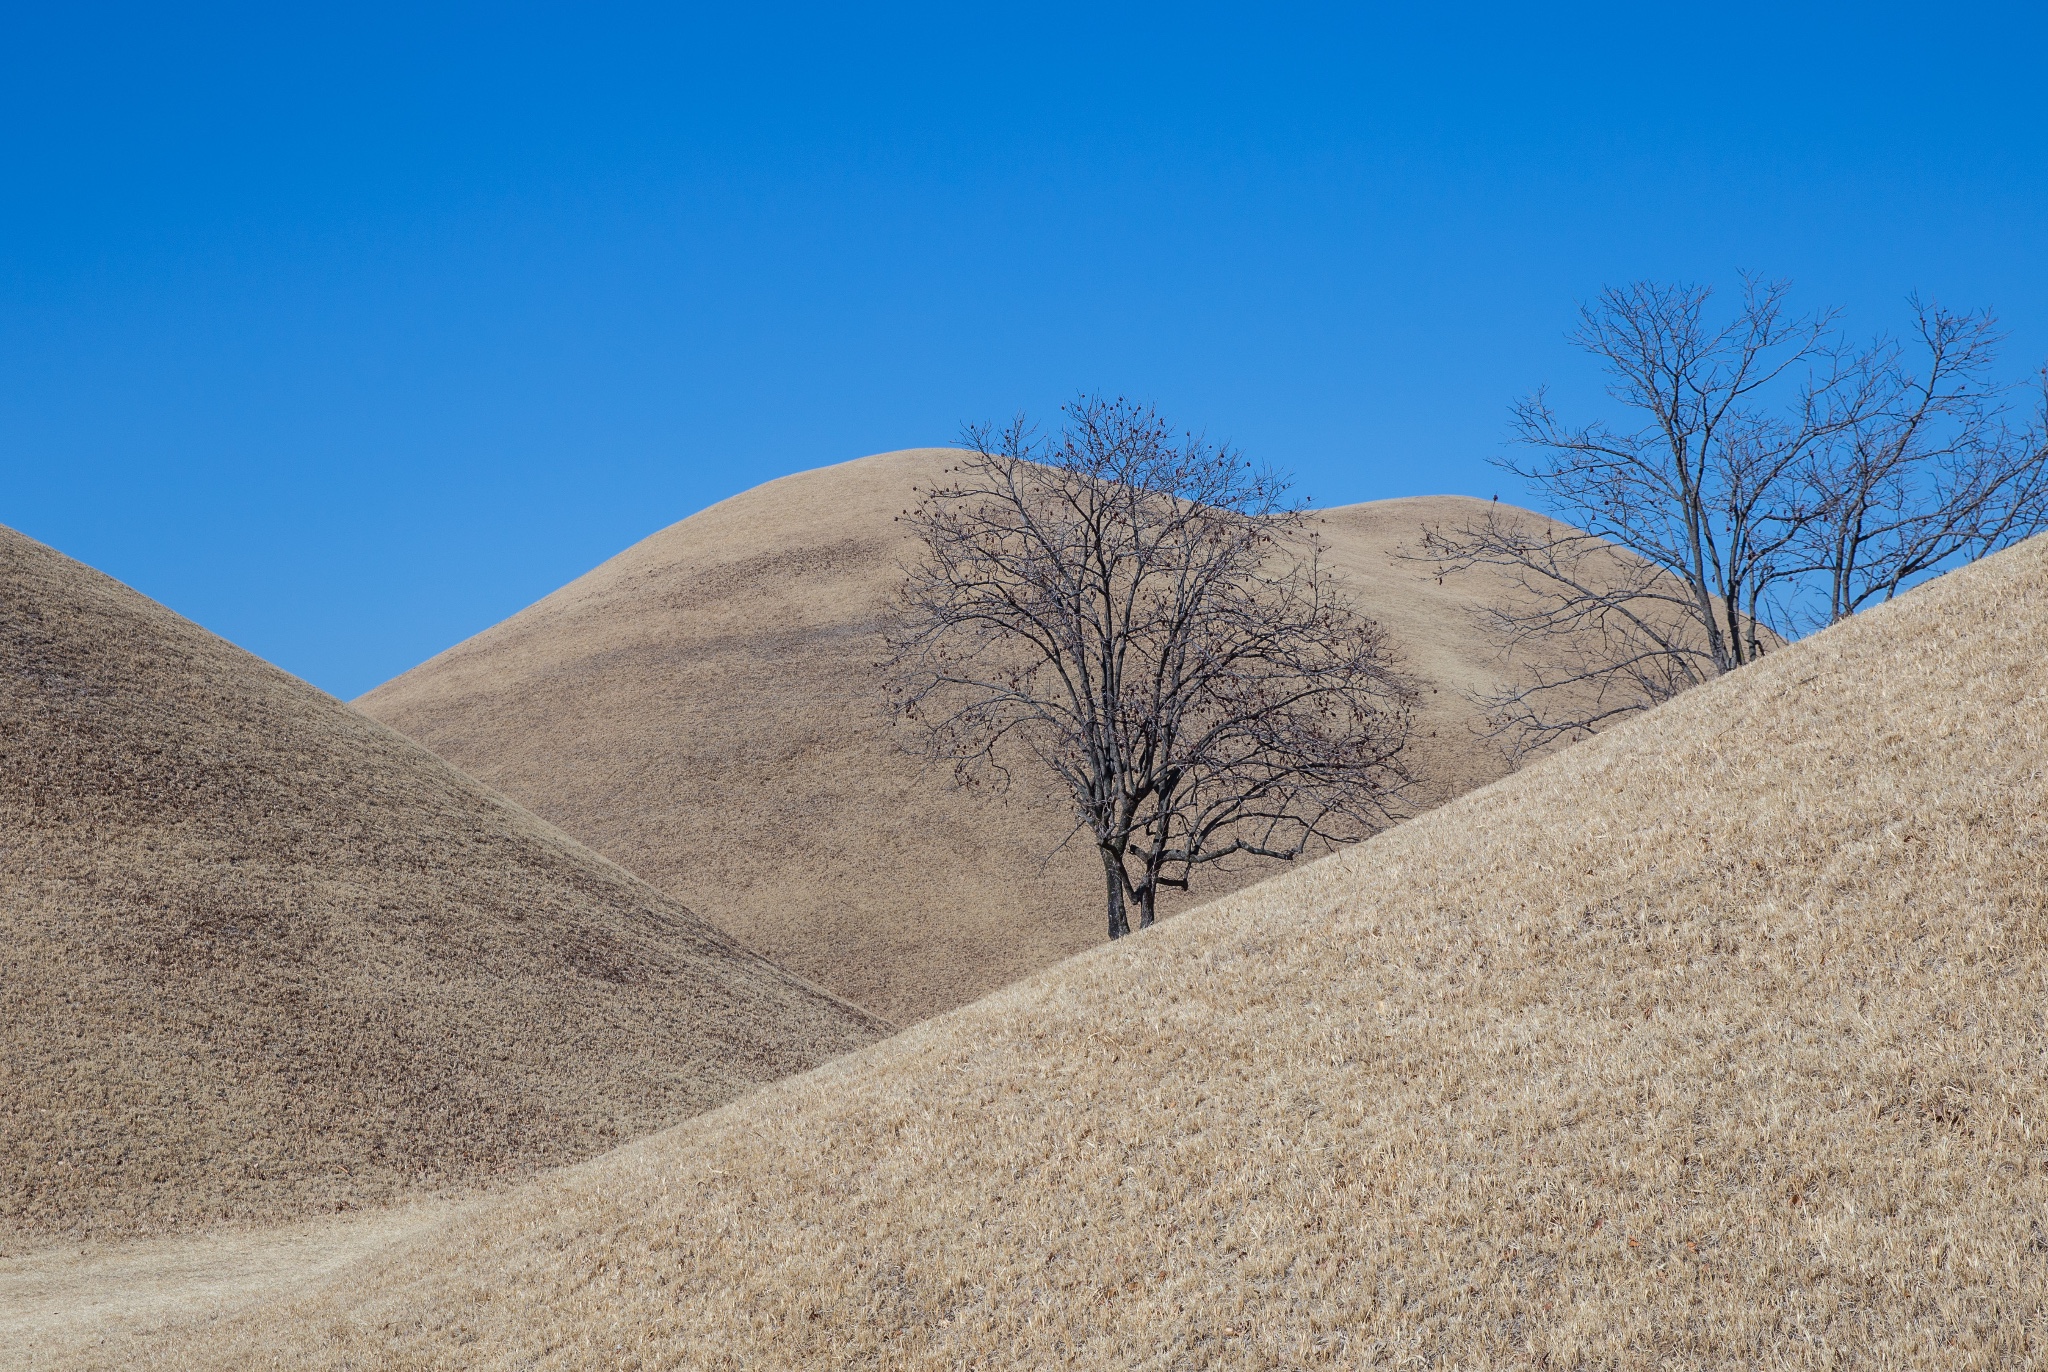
(1693,497)
(1771,477)
(1588,634)
(1927,470)
(1139,618)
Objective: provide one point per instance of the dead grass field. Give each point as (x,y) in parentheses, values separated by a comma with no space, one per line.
(705,710)
(68,1298)
(261,957)
(1716,1041)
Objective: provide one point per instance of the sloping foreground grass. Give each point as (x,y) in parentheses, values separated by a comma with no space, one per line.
(1715,1041)
(261,957)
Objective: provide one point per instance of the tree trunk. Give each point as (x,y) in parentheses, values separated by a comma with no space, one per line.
(1148,897)
(1113,874)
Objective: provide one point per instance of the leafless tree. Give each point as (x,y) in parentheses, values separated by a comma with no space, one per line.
(1770,476)
(1691,497)
(1927,470)
(1136,616)
(1588,634)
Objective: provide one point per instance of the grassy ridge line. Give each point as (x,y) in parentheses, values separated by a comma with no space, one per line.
(1714,1041)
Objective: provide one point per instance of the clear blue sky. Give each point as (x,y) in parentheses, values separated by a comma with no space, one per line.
(349,332)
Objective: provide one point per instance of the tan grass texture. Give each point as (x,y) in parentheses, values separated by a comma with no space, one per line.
(705,710)
(260,956)
(1715,1041)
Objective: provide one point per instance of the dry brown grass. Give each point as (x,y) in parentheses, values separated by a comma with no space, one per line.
(705,710)
(71,1298)
(1715,1041)
(260,956)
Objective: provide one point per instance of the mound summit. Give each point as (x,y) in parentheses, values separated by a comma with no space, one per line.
(1716,1040)
(260,956)
(705,710)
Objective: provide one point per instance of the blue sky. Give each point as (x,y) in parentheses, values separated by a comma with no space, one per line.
(348,332)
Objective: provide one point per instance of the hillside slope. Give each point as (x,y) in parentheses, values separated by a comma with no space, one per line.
(1714,1041)
(260,956)
(705,710)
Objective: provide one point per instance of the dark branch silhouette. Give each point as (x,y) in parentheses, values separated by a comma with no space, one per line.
(1927,472)
(1140,616)
(1769,478)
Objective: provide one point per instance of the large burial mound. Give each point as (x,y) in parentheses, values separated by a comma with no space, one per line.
(1717,1040)
(260,956)
(705,709)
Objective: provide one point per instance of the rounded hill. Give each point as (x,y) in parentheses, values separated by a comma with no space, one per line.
(260,956)
(706,710)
